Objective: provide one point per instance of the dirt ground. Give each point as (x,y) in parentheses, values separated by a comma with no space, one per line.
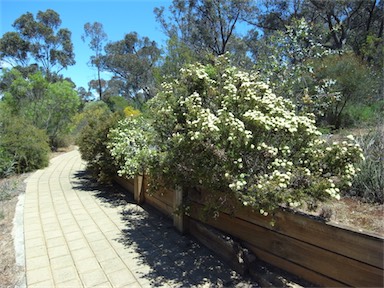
(354,214)
(10,273)
(361,216)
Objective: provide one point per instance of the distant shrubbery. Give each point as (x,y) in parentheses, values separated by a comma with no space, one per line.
(96,122)
(6,163)
(35,116)
(47,106)
(363,115)
(23,147)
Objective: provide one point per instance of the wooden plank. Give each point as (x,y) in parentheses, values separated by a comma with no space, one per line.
(138,191)
(220,245)
(367,248)
(295,269)
(163,194)
(178,217)
(159,205)
(359,246)
(125,183)
(325,262)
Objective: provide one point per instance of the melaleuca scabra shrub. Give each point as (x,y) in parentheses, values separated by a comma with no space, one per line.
(224,129)
(130,144)
(96,122)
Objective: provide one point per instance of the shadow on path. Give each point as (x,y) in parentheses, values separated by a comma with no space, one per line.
(162,254)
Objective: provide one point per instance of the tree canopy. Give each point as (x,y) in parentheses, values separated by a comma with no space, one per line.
(41,39)
(47,106)
(132,61)
(97,38)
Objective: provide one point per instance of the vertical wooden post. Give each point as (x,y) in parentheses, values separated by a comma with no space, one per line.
(178,217)
(138,192)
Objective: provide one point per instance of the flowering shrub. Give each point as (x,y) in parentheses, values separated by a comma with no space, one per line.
(224,129)
(129,111)
(129,145)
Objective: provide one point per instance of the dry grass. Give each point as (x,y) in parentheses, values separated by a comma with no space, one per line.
(361,216)
(10,188)
(352,213)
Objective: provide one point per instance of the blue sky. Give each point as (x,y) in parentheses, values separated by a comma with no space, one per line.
(118,17)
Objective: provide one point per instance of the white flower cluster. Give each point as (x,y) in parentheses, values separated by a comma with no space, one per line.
(129,146)
(333,191)
(252,140)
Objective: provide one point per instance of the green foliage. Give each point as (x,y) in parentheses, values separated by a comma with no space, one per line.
(369,183)
(96,121)
(22,145)
(41,39)
(13,49)
(373,50)
(204,27)
(226,131)
(131,61)
(361,114)
(286,62)
(6,163)
(178,55)
(117,103)
(97,37)
(47,106)
(354,80)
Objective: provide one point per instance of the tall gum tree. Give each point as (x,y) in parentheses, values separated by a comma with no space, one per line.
(132,62)
(40,39)
(97,38)
(207,27)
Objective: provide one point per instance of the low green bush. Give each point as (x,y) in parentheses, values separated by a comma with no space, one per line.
(360,114)
(369,183)
(25,146)
(6,163)
(96,122)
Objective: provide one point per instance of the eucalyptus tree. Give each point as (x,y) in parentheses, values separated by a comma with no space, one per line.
(350,22)
(97,38)
(342,23)
(14,49)
(205,27)
(40,39)
(132,62)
